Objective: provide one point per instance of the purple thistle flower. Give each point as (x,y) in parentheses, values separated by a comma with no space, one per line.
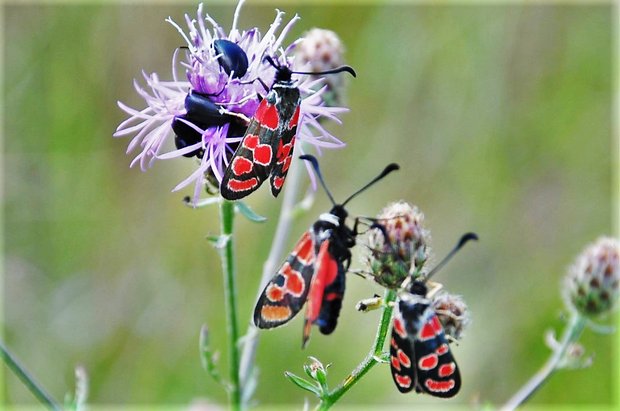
(234,94)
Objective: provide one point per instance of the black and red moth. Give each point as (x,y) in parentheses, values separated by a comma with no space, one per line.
(315,271)
(266,149)
(420,357)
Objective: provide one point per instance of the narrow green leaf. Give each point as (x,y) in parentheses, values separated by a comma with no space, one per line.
(248,213)
(303,384)
(208,358)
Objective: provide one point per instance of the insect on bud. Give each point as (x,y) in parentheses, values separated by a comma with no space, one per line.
(591,286)
(401,247)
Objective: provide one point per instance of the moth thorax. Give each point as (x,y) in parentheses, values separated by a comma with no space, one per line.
(330,218)
(414,298)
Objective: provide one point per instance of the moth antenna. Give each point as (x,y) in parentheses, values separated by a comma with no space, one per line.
(387,170)
(340,69)
(273,63)
(462,241)
(315,164)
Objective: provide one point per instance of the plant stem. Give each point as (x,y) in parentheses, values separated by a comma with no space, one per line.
(371,359)
(571,334)
(27,379)
(280,240)
(227,254)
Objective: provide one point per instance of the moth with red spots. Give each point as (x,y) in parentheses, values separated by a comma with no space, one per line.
(266,149)
(420,357)
(314,273)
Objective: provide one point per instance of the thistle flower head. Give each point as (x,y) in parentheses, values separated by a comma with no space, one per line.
(205,115)
(591,286)
(400,248)
(453,313)
(322,50)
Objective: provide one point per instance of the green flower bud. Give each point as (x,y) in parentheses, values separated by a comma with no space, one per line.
(591,285)
(404,250)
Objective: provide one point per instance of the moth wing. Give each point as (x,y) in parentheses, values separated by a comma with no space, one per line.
(287,291)
(252,162)
(438,374)
(402,355)
(326,272)
(283,148)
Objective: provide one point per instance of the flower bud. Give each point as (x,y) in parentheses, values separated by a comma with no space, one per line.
(591,285)
(401,247)
(452,313)
(321,50)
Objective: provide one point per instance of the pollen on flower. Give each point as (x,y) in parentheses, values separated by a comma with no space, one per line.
(591,285)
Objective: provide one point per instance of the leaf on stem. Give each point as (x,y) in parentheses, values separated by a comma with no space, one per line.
(248,213)
(303,384)
(208,358)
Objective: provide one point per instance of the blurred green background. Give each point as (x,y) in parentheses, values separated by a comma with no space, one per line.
(500,117)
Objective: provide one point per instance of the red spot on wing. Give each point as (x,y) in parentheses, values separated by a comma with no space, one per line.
(242,185)
(446,370)
(399,327)
(267,115)
(284,150)
(436,325)
(403,358)
(294,119)
(262,154)
(305,250)
(395,363)
(241,165)
(250,141)
(331,296)
(275,313)
(287,164)
(428,362)
(293,282)
(439,386)
(274,293)
(278,182)
(429,329)
(402,380)
(442,349)
(393,343)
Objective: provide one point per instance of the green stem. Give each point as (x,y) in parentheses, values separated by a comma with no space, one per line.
(227,253)
(371,359)
(27,379)
(571,334)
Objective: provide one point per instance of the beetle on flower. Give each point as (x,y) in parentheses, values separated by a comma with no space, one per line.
(207,114)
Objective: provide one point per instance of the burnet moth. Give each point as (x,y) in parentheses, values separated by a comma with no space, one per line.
(420,357)
(266,149)
(315,271)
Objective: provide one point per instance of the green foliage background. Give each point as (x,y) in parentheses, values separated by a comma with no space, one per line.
(499,115)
